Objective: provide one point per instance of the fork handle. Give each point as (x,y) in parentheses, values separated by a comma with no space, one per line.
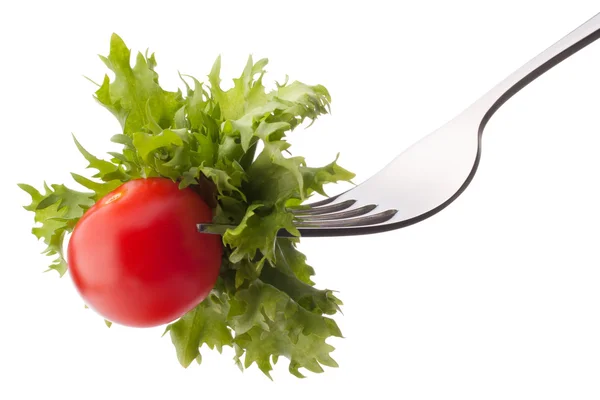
(487,105)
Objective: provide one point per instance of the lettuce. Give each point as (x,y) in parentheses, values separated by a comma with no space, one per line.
(264,305)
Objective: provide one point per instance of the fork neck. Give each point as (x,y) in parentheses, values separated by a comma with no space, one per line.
(584,35)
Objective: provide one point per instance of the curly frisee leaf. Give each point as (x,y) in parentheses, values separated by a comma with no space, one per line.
(265,305)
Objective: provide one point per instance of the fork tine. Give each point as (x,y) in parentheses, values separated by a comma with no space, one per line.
(322,202)
(350,222)
(357,212)
(319,203)
(324,209)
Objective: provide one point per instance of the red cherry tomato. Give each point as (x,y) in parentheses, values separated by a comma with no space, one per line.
(136,257)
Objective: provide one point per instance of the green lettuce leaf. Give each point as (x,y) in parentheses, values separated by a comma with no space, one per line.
(135,91)
(265,305)
(56,213)
(269,324)
(204,325)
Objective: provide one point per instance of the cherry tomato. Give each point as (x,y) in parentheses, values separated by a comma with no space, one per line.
(136,257)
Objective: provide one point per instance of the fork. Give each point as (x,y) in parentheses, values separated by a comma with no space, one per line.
(433,172)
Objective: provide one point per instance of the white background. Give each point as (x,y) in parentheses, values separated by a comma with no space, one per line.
(496,297)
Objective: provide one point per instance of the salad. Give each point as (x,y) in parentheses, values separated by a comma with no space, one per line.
(202,154)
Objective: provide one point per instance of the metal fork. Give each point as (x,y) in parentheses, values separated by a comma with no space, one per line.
(432,173)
